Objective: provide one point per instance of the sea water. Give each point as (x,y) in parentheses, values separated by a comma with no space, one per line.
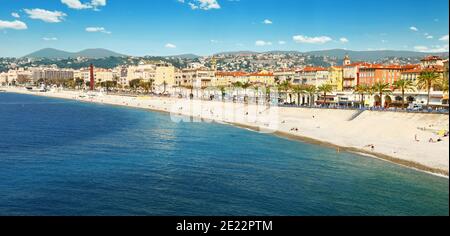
(61,157)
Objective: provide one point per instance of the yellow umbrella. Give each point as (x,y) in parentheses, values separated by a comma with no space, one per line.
(442,132)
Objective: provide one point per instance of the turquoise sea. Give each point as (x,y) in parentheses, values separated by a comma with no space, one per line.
(61,157)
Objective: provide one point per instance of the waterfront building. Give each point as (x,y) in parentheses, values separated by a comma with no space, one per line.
(375,73)
(411,74)
(263,77)
(100,75)
(52,74)
(225,79)
(164,77)
(336,74)
(196,78)
(351,75)
(16,76)
(312,76)
(145,72)
(3,79)
(431,61)
(283,75)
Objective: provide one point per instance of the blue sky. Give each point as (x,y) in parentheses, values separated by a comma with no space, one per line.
(168,27)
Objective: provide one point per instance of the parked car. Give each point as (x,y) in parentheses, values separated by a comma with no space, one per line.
(415,107)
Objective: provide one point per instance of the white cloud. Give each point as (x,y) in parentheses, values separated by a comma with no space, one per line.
(169,45)
(267,22)
(444,38)
(97,29)
(15,15)
(77,4)
(50,39)
(44,15)
(261,43)
(429,37)
(281,42)
(202,4)
(413,28)
(312,40)
(98,3)
(15,25)
(343,40)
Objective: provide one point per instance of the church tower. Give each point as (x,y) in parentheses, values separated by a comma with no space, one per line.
(347,60)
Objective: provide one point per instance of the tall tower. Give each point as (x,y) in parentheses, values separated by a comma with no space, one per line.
(92,79)
(347,60)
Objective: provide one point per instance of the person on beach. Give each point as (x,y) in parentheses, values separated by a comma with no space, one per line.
(416,139)
(371,146)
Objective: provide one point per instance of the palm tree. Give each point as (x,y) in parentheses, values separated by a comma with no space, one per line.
(245,86)
(256,92)
(165,85)
(268,91)
(404,85)
(79,82)
(116,81)
(147,86)
(427,80)
(222,92)
(298,89)
(191,88)
(285,87)
(444,85)
(381,88)
(134,84)
(362,90)
(310,90)
(237,85)
(325,89)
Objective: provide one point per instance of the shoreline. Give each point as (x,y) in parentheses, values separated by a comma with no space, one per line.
(404,163)
(439,172)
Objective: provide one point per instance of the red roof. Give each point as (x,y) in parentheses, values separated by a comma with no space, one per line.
(286,70)
(233,74)
(431,58)
(240,73)
(261,74)
(358,64)
(415,71)
(314,69)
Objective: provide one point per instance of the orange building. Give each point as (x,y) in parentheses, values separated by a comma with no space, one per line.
(351,74)
(369,75)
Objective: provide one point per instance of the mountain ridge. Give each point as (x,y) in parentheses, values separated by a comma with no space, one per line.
(52,53)
(368,55)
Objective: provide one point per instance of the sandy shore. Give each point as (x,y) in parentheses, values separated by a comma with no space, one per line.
(393,135)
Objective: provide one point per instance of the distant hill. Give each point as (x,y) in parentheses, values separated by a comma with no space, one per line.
(184,56)
(354,55)
(371,55)
(237,53)
(52,53)
(97,53)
